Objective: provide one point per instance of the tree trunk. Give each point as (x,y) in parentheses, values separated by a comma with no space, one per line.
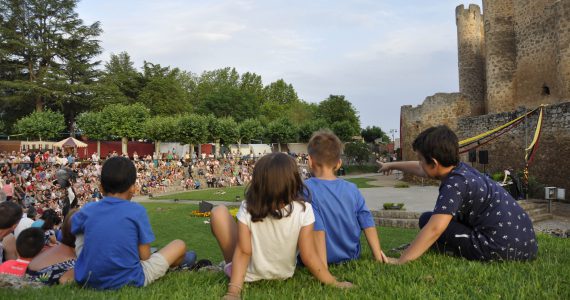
(99,149)
(157,147)
(39,104)
(191,151)
(279,146)
(124,142)
(217,154)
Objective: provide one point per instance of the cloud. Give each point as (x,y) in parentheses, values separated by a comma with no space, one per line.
(379,54)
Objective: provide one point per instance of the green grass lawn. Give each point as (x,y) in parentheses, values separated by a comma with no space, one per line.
(221,194)
(431,277)
(229,194)
(362,183)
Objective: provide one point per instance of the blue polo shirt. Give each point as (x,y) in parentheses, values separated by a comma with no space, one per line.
(113,229)
(341,212)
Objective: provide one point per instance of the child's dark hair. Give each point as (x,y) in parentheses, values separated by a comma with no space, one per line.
(118,175)
(276,183)
(30,242)
(438,143)
(10,214)
(324,148)
(51,219)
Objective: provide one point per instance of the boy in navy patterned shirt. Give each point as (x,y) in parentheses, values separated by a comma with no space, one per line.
(474,217)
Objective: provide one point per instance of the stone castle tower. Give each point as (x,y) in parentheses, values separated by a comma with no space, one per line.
(515,53)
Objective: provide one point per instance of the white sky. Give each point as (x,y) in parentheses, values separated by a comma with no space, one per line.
(380,54)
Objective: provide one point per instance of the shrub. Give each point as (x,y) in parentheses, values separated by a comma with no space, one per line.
(395,206)
(401,185)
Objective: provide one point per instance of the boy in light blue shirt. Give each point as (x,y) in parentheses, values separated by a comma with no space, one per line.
(117,235)
(340,210)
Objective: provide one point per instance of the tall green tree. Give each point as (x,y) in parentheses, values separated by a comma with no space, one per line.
(92,125)
(120,71)
(125,121)
(47,54)
(193,130)
(357,152)
(229,130)
(224,93)
(41,125)
(163,94)
(162,129)
(344,130)
(280,92)
(249,130)
(370,134)
(281,131)
(280,99)
(307,129)
(337,109)
(120,82)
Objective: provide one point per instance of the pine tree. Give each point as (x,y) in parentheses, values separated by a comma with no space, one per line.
(46,56)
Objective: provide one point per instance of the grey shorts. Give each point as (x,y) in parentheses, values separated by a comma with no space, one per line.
(154,268)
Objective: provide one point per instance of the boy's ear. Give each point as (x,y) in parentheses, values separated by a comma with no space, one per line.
(338,164)
(435,163)
(102,190)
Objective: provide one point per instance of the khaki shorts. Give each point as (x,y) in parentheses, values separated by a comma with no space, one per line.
(154,268)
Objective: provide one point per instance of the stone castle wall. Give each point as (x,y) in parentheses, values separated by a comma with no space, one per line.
(471,46)
(562,9)
(537,54)
(517,53)
(551,164)
(438,109)
(500,43)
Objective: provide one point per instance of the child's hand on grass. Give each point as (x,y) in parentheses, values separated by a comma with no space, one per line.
(392,261)
(344,285)
(231,296)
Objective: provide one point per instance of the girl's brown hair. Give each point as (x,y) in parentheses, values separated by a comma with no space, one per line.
(276,183)
(67,238)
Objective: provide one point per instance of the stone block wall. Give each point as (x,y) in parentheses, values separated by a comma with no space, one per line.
(562,8)
(500,43)
(471,50)
(537,81)
(551,164)
(439,109)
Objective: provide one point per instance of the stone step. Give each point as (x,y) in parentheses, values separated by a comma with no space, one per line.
(537,211)
(542,217)
(529,206)
(532,204)
(399,223)
(396,214)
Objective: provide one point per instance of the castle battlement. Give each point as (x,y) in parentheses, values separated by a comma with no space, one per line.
(473,11)
(511,54)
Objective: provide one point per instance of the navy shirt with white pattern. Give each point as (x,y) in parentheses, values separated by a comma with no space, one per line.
(501,228)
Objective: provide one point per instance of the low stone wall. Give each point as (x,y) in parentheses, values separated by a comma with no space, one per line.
(551,164)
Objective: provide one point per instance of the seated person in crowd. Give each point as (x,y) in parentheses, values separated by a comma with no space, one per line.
(29,244)
(10,215)
(55,265)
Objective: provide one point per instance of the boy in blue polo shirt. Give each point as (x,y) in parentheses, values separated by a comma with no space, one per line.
(117,236)
(340,211)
